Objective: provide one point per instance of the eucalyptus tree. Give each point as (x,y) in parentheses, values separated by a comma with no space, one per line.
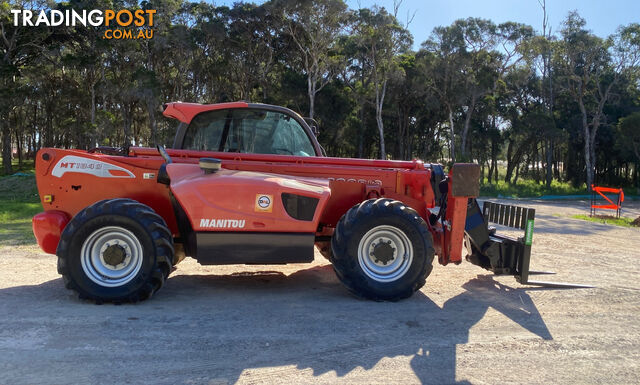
(472,56)
(445,51)
(252,45)
(354,75)
(478,68)
(380,39)
(314,27)
(480,89)
(592,66)
(492,50)
(20,47)
(543,47)
(466,69)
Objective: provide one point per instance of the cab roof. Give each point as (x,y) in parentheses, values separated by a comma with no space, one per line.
(185,112)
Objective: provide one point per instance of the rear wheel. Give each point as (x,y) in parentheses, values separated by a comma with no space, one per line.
(115,250)
(382,250)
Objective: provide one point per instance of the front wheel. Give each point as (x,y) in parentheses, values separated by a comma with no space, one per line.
(382,250)
(116,250)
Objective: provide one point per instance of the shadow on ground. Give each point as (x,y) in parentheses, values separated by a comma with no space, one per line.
(221,329)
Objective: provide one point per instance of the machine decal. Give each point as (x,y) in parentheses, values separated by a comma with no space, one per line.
(79,164)
(353,180)
(222,223)
(264,203)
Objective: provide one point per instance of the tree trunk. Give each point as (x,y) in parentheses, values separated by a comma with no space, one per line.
(452,140)
(362,131)
(312,96)
(592,152)
(465,130)
(493,162)
(127,118)
(507,177)
(535,165)
(549,153)
(383,153)
(94,134)
(93,104)
(152,121)
(491,171)
(399,150)
(19,146)
(627,172)
(587,145)
(6,146)
(48,139)
(379,103)
(34,127)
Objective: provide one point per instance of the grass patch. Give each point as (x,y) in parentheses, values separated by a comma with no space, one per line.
(529,189)
(26,167)
(19,202)
(607,220)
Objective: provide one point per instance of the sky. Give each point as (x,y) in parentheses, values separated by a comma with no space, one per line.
(603,16)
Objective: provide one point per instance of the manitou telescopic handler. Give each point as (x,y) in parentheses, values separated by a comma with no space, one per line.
(248,184)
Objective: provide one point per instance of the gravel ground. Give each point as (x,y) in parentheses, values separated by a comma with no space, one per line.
(297,324)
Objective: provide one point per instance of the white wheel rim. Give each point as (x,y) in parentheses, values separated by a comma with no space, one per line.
(98,261)
(385,253)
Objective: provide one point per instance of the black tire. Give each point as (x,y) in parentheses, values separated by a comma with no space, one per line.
(359,221)
(141,223)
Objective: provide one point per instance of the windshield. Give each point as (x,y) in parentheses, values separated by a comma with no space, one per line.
(251,131)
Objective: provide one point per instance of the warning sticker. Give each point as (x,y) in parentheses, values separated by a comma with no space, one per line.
(264,203)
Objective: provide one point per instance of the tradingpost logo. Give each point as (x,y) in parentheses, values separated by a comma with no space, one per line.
(120,24)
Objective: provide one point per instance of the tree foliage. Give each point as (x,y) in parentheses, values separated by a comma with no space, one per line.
(528,104)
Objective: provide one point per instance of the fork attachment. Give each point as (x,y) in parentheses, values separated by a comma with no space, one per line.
(503,254)
(499,253)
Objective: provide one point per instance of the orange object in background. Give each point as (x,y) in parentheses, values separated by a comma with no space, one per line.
(611,206)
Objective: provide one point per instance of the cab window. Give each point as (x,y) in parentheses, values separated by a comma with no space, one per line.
(205,131)
(252,131)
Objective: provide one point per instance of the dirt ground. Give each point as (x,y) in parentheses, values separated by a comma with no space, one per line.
(296,324)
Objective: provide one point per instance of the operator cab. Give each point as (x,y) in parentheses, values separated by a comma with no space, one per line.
(254,129)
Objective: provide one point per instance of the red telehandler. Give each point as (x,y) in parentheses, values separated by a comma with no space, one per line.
(248,184)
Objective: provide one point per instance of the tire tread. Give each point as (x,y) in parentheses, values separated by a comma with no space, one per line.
(346,267)
(155,226)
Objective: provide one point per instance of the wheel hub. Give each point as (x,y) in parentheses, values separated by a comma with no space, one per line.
(111,256)
(383,252)
(114,255)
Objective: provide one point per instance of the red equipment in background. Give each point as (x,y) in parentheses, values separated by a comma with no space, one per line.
(611,206)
